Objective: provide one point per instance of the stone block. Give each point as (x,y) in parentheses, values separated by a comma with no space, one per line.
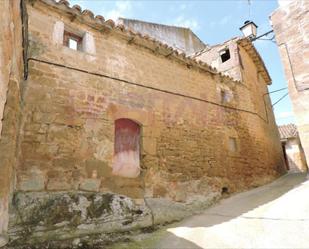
(90,185)
(57,184)
(57,214)
(4,239)
(32,181)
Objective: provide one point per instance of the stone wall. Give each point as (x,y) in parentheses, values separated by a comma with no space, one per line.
(11,74)
(194,147)
(291,25)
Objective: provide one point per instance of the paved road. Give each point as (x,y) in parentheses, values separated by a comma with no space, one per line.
(272,216)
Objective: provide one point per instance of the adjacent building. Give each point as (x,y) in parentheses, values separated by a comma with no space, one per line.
(180,38)
(107,130)
(293,151)
(291,26)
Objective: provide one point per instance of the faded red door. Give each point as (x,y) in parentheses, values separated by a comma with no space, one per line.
(127,148)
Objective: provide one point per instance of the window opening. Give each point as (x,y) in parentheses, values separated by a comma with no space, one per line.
(72,40)
(225,55)
(224,97)
(232,144)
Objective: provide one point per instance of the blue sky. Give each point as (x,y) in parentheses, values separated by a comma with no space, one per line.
(214,21)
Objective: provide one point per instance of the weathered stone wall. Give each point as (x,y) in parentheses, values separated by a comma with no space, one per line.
(291,25)
(10,78)
(71,101)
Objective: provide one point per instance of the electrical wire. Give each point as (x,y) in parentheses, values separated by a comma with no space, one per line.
(249,9)
(280,99)
(149,87)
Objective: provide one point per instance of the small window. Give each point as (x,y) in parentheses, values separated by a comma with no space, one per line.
(224,96)
(72,44)
(232,144)
(72,41)
(225,55)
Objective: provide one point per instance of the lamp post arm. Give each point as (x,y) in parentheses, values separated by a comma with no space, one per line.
(267,33)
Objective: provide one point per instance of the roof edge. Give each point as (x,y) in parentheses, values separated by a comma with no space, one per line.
(100,24)
(247,44)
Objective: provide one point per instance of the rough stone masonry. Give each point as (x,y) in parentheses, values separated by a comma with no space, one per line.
(107,131)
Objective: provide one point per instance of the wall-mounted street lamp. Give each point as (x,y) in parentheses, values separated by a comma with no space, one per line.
(249,29)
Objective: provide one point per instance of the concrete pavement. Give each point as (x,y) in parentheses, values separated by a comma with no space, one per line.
(273,216)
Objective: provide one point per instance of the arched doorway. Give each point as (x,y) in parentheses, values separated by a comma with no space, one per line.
(126,161)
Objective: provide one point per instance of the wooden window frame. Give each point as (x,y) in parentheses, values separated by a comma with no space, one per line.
(67,36)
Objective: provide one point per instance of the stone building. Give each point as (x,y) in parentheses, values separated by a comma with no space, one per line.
(106,130)
(291,26)
(181,39)
(293,151)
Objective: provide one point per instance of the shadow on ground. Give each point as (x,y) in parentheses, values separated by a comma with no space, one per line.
(226,219)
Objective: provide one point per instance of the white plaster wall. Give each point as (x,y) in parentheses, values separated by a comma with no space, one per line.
(58,33)
(88,43)
(294,154)
(231,67)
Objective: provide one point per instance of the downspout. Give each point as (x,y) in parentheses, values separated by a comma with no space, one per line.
(24,23)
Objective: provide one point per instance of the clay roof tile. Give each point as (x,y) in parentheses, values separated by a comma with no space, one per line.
(100,18)
(90,20)
(110,23)
(64,2)
(88,13)
(288,131)
(77,7)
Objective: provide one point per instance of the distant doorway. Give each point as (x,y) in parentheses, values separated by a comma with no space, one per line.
(285,157)
(126,161)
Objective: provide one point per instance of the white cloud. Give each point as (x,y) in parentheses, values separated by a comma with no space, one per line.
(191,23)
(284,115)
(122,9)
(225,20)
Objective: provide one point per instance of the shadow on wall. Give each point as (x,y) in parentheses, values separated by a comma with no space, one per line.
(296,164)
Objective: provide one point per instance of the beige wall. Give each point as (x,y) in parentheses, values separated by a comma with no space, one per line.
(71,100)
(291,25)
(295,155)
(68,119)
(10,78)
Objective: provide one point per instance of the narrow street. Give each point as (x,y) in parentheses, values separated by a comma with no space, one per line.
(273,216)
